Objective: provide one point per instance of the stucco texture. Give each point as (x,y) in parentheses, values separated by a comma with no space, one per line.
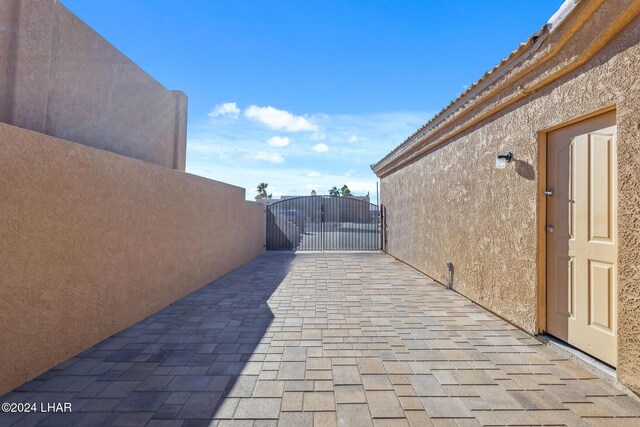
(61,78)
(92,242)
(452,204)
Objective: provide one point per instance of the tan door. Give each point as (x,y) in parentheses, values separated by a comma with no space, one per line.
(581,236)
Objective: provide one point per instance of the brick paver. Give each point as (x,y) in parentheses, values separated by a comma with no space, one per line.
(323,340)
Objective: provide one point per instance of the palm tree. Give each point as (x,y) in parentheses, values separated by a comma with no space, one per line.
(262,191)
(345,191)
(334,191)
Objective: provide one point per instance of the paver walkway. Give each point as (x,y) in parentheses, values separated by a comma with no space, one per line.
(323,339)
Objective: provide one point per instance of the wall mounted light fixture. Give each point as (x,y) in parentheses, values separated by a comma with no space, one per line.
(503,159)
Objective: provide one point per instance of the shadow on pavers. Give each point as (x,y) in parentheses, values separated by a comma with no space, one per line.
(177,364)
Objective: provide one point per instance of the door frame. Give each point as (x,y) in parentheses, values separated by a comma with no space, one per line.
(541,213)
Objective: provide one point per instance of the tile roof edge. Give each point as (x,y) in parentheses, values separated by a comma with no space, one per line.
(506,64)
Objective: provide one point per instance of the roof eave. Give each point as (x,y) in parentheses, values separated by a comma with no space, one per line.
(418,138)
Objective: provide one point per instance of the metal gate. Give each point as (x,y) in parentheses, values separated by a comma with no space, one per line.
(323,223)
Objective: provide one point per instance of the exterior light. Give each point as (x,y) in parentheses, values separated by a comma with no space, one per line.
(503,159)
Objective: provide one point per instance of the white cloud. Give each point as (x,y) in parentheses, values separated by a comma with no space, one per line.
(278,141)
(203,147)
(353,138)
(320,148)
(362,187)
(207,147)
(279,119)
(273,191)
(269,157)
(228,109)
(236,151)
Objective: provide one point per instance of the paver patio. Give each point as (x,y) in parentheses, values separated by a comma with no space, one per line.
(323,339)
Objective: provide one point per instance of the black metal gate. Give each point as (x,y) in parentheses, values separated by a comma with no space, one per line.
(323,223)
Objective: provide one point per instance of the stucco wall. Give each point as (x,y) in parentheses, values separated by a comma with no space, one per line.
(61,78)
(453,204)
(91,242)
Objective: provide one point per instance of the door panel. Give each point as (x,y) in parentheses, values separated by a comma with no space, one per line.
(600,295)
(600,206)
(581,235)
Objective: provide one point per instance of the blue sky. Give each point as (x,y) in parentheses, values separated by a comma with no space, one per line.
(306,95)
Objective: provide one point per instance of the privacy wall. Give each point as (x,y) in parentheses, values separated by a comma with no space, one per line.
(91,242)
(450,203)
(61,78)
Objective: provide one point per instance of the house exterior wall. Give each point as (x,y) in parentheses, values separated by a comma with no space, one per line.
(60,78)
(91,242)
(452,204)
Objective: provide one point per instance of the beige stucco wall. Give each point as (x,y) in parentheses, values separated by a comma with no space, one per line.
(453,204)
(91,242)
(61,78)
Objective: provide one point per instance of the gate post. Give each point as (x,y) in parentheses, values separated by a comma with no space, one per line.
(381,219)
(383,227)
(322,223)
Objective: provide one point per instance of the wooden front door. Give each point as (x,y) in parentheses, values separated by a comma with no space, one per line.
(581,235)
